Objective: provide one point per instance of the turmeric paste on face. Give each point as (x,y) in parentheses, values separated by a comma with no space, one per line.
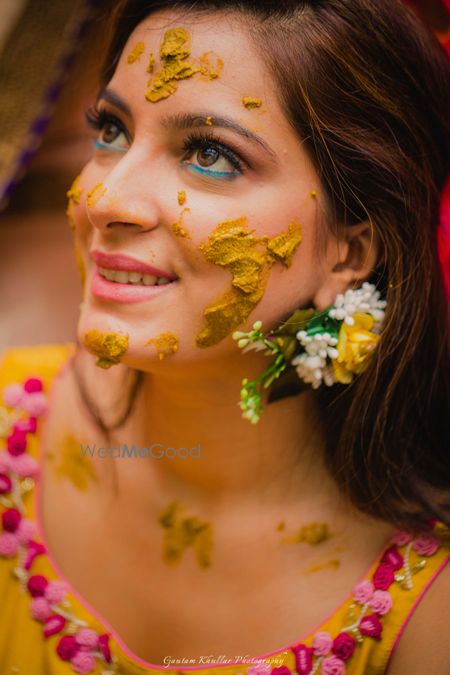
(109,347)
(174,53)
(136,53)
(251,102)
(94,195)
(312,534)
(166,344)
(249,259)
(73,195)
(178,228)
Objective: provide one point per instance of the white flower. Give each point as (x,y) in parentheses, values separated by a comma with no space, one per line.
(364,299)
(322,344)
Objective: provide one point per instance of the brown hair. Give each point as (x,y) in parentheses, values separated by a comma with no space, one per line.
(367,89)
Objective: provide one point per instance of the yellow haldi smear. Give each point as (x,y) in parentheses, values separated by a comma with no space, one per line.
(251,102)
(313,194)
(151,63)
(94,195)
(80,264)
(75,466)
(283,246)
(136,52)
(166,344)
(109,347)
(312,534)
(334,564)
(209,121)
(181,197)
(73,196)
(178,228)
(174,52)
(249,260)
(180,533)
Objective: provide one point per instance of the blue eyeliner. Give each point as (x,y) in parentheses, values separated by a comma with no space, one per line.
(210,173)
(109,148)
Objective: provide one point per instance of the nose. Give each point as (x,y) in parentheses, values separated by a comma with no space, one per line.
(122,198)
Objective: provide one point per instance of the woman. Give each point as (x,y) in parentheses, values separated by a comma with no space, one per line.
(261,176)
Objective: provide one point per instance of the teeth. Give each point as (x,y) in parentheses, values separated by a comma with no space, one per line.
(121,277)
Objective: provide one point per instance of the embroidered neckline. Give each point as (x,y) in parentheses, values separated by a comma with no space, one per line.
(85,648)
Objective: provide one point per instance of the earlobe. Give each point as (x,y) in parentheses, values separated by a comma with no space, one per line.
(350,261)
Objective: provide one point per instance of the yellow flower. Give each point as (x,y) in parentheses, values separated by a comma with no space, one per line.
(355,346)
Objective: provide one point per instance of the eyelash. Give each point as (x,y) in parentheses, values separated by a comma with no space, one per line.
(96,118)
(200,140)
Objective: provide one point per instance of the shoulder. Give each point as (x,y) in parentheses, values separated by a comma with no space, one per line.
(424,645)
(19,363)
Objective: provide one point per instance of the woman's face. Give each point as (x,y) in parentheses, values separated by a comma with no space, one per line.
(189,181)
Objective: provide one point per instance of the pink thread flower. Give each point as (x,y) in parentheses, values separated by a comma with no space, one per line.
(36,585)
(16,442)
(393,558)
(35,404)
(86,637)
(5,462)
(67,648)
(363,591)
(29,425)
(344,646)
(371,625)
(54,624)
(426,544)
(8,544)
(32,385)
(11,519)
(322,643)
(83,662)
(55,592)
(5,483)
(383,577)
(333,665)
(24,466)
(259,669)
(34,549)
(103,645)
(12,395)
(303,659)
(25,531)
(40,609)
(400,538)
(381,602)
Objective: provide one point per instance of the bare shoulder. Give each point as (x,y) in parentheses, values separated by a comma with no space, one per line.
(424,646)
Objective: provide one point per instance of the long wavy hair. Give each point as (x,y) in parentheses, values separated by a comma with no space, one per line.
(367,89)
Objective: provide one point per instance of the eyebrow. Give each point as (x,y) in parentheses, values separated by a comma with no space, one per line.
(180,121)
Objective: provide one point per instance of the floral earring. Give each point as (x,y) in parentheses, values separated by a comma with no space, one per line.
(319,347)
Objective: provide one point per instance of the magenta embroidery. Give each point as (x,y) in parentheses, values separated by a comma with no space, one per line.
(78,644)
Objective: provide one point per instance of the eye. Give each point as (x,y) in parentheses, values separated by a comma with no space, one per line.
(211,157)
(112,135)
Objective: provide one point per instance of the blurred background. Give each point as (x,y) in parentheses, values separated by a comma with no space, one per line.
(50,55)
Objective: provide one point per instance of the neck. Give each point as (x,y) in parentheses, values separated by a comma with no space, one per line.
(228,458)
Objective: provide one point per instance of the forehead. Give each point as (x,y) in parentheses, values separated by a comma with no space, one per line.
(222,38)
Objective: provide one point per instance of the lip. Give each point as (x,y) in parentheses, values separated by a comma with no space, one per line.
(124,263)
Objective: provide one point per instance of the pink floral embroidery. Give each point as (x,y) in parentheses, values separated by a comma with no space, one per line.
(303,659)
(371,626)
(259,669)
(393,558)
(400,538)
(333,665)
(426,544)
(383,576)
(322,643)
(344,646)
(363,591)
(83,647)
(381,602)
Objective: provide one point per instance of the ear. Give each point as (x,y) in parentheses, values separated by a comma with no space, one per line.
(350,259)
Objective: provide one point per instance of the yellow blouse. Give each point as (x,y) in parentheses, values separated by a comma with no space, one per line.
(47,628)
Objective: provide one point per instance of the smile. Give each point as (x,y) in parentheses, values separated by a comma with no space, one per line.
(122,277)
